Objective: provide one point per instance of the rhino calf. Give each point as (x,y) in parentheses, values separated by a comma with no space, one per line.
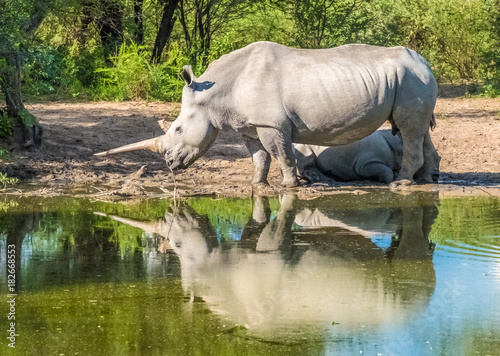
(376,157)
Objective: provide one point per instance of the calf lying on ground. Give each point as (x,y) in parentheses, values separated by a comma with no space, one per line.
(376,157)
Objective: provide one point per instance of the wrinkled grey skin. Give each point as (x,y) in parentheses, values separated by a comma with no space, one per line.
(376,157)
(274,95)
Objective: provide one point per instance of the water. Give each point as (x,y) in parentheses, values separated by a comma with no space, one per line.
(373,274)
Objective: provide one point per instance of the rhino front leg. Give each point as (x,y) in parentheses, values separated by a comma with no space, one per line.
(314,175)
(261,160)
(306,165)
(279,145)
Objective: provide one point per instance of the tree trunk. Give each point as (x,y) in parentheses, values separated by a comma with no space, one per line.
(139,35)
(110,27)
(165,30)
(206,40)
(26,132)
(182,18)
(11,85)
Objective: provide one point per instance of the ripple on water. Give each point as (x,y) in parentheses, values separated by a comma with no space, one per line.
(486,252)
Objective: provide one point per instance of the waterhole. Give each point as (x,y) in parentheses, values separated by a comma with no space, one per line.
(375,274)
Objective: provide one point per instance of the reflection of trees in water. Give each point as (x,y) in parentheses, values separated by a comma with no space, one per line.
(77,247)
(16,228)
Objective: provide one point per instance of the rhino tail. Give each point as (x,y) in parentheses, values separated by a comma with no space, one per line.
(433,122)
(395,128)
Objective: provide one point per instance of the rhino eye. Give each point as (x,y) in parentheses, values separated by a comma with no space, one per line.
(178,130)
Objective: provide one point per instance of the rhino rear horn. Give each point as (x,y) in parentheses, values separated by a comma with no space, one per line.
(150,144)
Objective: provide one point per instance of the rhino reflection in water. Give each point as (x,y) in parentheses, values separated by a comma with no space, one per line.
(282,277)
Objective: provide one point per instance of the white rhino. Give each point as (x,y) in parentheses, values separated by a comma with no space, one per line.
(275,95)
(376,157)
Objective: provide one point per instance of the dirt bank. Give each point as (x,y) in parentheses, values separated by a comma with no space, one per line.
(467,137)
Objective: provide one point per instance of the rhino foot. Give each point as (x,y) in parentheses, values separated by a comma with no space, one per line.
(400,184)
(260,183)
(290,183)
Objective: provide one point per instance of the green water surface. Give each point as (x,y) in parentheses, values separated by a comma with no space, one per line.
(373,274)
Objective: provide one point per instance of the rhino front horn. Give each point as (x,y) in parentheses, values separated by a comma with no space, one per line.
(150,144)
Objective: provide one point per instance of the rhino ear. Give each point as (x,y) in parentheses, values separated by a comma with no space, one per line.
(187,74)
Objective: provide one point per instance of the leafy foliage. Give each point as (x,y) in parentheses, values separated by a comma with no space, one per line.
(27,118)
(320,23)
(69,55)
(133,76)
(467,221)
(4,180)
(6,124)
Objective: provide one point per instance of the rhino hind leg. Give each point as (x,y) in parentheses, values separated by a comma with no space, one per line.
(261,160)
(429,172)
(414,126)
(413,159)
(279,145)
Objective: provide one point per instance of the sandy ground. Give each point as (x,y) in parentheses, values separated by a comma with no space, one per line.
(467,137)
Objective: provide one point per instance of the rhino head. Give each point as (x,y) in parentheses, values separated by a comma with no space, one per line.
(189,136)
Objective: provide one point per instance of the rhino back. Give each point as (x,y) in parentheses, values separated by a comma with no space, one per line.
(330,96)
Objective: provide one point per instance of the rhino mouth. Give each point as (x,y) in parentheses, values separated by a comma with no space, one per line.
(175,165)
(182,159)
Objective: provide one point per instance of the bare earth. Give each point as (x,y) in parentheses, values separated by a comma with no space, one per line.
(467,137)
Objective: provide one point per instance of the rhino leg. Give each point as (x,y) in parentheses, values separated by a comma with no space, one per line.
(306,165)
(413,159)
(413,127)
(279,144)
(261,160)
(314,175)
(429,172)
(377,171)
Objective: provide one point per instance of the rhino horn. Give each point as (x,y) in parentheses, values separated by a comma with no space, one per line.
(151,144)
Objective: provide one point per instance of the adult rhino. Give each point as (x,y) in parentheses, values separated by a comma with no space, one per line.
(274,95)
(376,157)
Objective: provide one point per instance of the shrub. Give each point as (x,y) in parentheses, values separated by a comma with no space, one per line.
(42,70)
(6,124)
(164,78)
(133,76)
(4,180)
(127,78)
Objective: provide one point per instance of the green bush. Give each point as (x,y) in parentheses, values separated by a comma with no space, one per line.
(4,180)
(491,90)
(6,124)
(132,75)
(127,78)
(78,72)
(459,38)
(165,77)
(60,72)
(42,70)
